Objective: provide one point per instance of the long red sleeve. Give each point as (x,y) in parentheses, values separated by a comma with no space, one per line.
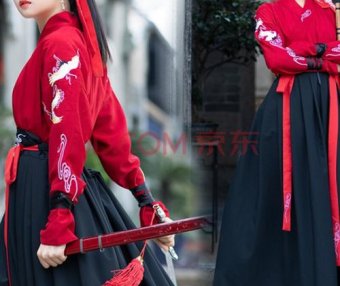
(67,110)
(332,52)
(111,141)
(281,58)
(65,106)
(58,98)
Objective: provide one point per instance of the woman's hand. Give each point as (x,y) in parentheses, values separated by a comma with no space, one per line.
(166,241)
(51,255)
(338,68)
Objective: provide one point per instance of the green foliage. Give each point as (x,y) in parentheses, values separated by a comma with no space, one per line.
(170,177)
(93,162)
(225,27)
(7,132)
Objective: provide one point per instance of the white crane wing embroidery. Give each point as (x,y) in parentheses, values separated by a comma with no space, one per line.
(64,69)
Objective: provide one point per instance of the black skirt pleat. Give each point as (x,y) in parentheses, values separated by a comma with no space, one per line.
(253,249)
(97,212)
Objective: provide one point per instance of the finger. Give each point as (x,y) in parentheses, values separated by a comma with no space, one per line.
(57,260)
(49,261)
(165,244)
(41,259)
(162,246)
(52,263)
(168,240)
(46,262)
(57,255)
(43,263)
(48,257)
(165,240)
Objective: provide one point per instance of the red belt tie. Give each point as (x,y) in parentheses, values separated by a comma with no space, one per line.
(11,169)
(285,87)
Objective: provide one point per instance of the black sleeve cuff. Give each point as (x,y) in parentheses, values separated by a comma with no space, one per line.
(320,49)
(314,63)
(143,195)
(60,200)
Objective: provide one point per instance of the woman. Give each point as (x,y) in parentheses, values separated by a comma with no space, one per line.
(61,100)
(281,221)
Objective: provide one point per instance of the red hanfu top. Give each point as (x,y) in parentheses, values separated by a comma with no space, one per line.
(58,98)
(288,35)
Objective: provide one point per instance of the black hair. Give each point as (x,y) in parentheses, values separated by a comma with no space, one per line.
(101,38)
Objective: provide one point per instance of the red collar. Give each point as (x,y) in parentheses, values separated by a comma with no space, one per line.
(308,4)
(294,6)
(59,20)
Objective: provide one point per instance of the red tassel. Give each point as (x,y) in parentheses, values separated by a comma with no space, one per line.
(131,275)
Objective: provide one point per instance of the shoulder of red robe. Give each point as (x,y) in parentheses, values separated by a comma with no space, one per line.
(326,4)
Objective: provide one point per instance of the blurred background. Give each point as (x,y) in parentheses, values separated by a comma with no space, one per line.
(229,82)
(150,41)
(190,77)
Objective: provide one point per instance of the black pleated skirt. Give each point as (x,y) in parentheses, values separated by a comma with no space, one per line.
(98,212)
(253,249)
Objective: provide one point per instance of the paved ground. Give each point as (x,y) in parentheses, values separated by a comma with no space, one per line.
(189,277)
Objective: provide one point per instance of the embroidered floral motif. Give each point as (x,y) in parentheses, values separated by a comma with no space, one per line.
(275,40)
(58,97)
(64,170)
(299,60)
(306,14)
(335,50)
(270,36)
(336,230)
(63,69)
(18,139)
(49,113)
(287,206)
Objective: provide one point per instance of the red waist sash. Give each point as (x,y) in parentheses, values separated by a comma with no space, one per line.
(11,169)
(285,87)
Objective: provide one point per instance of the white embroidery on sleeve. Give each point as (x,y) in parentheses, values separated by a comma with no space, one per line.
(299,60)
(275,40)
(18,139)
(268,35)
(49,113)
(64,170)
(63,69)
(58,97)
(335,50)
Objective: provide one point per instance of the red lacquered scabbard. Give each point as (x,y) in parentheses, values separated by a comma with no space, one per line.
(135,235)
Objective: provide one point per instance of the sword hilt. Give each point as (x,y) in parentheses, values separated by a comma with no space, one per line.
(161,217)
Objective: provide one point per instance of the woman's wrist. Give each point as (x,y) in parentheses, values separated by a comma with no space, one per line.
(143,195)
(59,229)
(147,213)
(320,49)
(60,200)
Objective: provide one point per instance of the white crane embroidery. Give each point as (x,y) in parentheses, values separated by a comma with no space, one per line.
(57,99)
(63,69)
